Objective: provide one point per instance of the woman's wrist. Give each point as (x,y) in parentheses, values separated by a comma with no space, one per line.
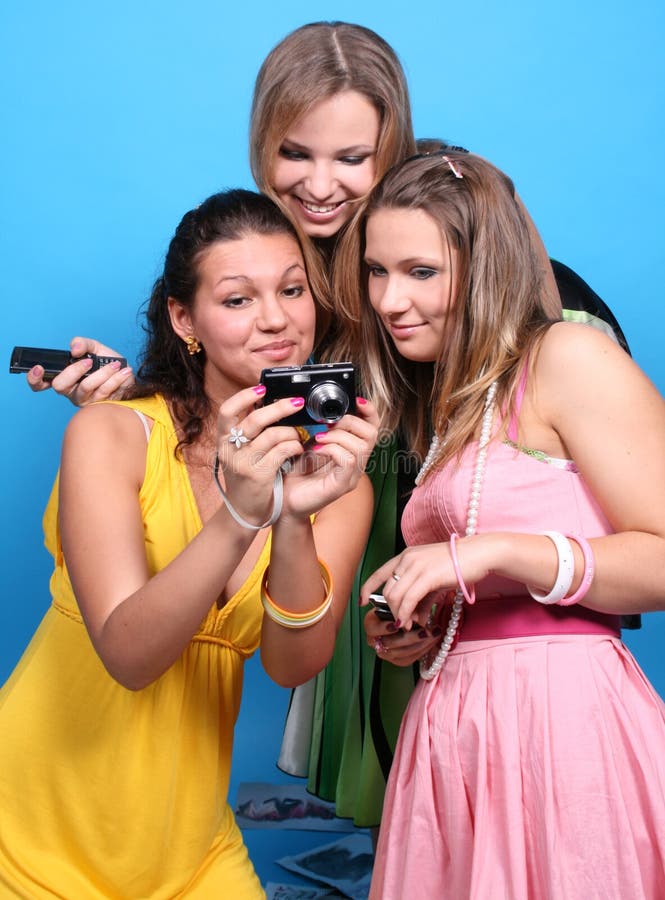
(229,529)
(293,522)
(486,552)
(527,558)
(277,494)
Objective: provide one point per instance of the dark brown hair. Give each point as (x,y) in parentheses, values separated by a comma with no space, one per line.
(165,364)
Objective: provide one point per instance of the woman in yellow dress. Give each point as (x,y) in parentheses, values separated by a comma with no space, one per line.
(117,723)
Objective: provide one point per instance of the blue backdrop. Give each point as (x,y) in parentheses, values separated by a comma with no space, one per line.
(119,116)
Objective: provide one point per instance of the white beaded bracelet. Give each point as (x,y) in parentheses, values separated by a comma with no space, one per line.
(565,572)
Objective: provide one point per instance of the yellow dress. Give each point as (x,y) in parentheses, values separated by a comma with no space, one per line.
(108,793)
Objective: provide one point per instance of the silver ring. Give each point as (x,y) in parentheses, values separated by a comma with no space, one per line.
(238,438)
(396,577)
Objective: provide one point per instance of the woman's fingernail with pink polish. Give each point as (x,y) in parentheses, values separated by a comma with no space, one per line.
(297,401)
(259,390)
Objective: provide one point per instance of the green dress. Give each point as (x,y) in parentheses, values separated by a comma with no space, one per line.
(342,726)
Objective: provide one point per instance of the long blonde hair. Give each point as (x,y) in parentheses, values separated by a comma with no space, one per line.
(497,314)
(310,64)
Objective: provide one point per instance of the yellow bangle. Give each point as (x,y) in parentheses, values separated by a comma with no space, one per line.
(298,620)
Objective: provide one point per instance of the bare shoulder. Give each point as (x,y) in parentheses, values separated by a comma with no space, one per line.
(108,420)
(572,343)
(576,356)
(104,435)
(580,363)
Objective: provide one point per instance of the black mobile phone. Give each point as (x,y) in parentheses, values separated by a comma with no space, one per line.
(54,361)
(380,604)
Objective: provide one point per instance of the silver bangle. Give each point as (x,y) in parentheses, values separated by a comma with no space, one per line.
(277,493)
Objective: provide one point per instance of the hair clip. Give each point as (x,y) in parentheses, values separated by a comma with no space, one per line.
(442,152)
(453,168)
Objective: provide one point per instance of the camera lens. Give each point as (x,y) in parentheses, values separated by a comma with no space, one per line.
(327,402)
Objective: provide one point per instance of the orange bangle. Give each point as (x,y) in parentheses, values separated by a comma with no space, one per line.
(298,620)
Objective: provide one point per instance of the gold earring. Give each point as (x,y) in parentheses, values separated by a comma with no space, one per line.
(193,346)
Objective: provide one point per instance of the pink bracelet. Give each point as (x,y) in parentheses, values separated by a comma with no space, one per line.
(587,575)
(469,597)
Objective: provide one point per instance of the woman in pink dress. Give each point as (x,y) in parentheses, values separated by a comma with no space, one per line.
(531,759)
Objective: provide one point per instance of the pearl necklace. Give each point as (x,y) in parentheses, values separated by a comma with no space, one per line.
(431,671)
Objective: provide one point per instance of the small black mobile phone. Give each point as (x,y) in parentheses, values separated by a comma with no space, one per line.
(380,604)
(54,361)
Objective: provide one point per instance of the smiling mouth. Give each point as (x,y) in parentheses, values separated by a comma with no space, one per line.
(399,328)
(318,208)
(277,346)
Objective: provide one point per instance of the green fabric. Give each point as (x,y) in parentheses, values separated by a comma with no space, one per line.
(360,700)
(586,318)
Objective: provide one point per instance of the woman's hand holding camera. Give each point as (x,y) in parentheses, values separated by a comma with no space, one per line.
(251,449)
(333,462)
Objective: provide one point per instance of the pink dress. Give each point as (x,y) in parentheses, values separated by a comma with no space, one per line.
(533,766)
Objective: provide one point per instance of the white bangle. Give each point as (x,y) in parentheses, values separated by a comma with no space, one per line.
(565,572)
(277,493)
